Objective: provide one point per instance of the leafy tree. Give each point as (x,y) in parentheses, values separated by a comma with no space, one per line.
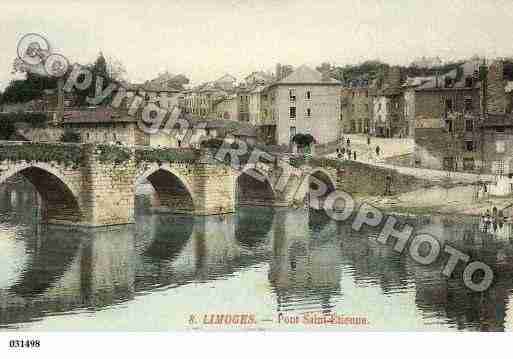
(27,89)
(303,140)
(7,129)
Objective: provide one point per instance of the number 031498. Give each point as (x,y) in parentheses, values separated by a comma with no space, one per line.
(24,343)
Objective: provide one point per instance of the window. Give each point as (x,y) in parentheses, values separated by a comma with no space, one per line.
(308,95)
(498,167)
(292,113)
(499,146)
(468,104)
(292,95)
(499,129)
(469,146)
(308,112)
(468,81)
(468,164)
(469,125)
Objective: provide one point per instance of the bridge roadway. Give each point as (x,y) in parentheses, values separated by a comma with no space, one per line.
(94,184)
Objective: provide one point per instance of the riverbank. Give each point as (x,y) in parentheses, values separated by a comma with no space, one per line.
(417,207)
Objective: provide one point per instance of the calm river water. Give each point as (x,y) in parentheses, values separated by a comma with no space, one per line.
(170,272)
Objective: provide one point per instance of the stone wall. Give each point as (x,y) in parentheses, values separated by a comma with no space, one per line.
(436,148)
(356,110)
(359,178)
(59,187)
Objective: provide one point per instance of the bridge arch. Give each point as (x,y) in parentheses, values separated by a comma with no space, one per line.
(318,185)
(172,190)
(59,197)
(254,187)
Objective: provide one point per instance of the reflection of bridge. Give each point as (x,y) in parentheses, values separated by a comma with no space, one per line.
(94,268)
(94,185)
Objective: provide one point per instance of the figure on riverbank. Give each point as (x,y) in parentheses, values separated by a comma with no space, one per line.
(377,150)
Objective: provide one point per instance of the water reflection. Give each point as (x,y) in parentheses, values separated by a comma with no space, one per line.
(311,264)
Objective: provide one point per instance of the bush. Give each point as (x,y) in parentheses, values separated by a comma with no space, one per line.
(70,136)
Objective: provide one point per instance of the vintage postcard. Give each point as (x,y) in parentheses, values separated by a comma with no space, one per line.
(269,166)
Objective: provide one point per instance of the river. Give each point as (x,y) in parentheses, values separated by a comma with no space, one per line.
(268,266)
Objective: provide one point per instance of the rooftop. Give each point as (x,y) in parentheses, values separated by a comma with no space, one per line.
(96,115)
(307,75)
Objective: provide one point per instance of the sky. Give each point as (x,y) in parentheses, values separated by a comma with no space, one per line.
(206,39)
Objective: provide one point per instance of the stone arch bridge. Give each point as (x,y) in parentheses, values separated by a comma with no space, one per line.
(94,184)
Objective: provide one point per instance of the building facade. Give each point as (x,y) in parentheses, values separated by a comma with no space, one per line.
(356,109)
(304,102)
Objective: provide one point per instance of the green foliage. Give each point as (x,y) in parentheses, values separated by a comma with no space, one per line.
(303,140)
(36,120)
(7,129)
(69,156)
(299,161)
(8,122)
(161,155)
(98,69)
(112,154)
(376,70)
(28,89)
(70,136)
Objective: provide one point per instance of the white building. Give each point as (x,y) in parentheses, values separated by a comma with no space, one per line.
(305,102)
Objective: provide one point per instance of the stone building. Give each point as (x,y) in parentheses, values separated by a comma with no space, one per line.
(226,108)
(305,102)
(201,101)
(243,95)
(356,107)
(103,125)
(496,125)
(387,107)
(442,113)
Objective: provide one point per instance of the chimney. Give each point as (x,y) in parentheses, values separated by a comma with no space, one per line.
(495,93)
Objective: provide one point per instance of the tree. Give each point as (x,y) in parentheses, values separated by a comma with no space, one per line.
(303,140)
(110,72)
(24,90)
(7,129)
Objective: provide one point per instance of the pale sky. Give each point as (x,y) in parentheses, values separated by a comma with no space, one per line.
(206,39)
